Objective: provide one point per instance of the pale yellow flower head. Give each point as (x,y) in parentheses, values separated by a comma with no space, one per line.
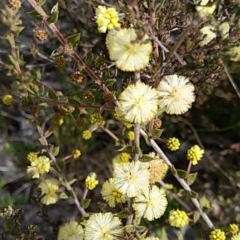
(39,166)
(176,94)
(106,18)
(103,226)
(70,231)
(236,237)
(139,103)
(111,194)
(208,35)
(49,189)
(224,28)
(130,178)
(150,204)
(156,166)
(234,54)
(206,8)
(130,53)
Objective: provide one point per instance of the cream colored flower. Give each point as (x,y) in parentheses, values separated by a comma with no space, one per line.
(39,166)
(49,189)
(150,204)
(70,231)
(224,28)
(138,102)
(234,54)
(208,35)
(111,194)
(176,94)
(130,178)
(103,226)
(156,166)
(236,237)
(204,9)
(129,53)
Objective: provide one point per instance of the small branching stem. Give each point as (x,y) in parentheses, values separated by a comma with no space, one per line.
(52,157)
(183,183)
(66,46)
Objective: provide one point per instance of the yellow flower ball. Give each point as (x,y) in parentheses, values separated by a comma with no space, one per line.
(76,153)
(96,119)
(173,144)
(7,99)
(217,234)
(86,134)
(91,182)
(178,218)
(32,156)
(233,228)
(130,135)
(106,18)
(194,154)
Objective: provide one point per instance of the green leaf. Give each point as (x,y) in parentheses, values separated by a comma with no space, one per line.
(48,133)
(123,214)
(193,194)
(173,170)
(157,132)
(1,182)
(34,14)
(73,40)
(146,158)
(17,30)
(63,195)
(196,216)
(145,4)
(181,173)
(54,14)
(13,60)
(89,57)
(55,151)
(204,202)
(164,235)
(140,229)
(41,2)
(191,178)
(128,229)
(72,181)
(57,52)
(85,203)
(43,105)
(42,141)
